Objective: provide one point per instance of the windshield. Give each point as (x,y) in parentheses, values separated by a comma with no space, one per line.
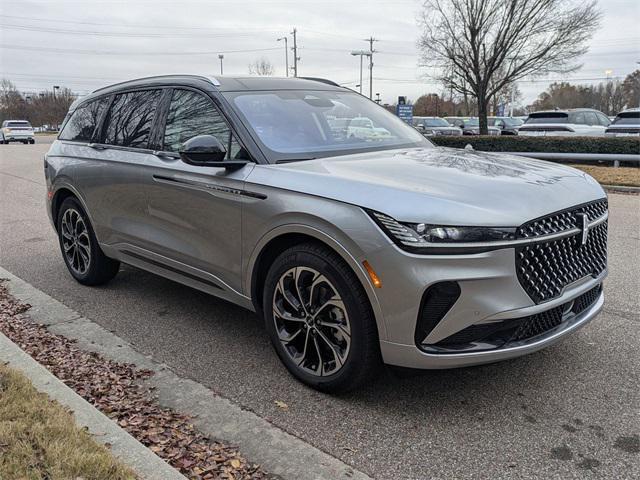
(299,125)
(436,122)
(550,117)
(473,122)
(628,118)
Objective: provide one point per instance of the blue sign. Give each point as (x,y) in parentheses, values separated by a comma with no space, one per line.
(405,113)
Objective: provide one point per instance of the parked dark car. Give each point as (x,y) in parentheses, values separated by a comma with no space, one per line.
(471,125)
(507,125)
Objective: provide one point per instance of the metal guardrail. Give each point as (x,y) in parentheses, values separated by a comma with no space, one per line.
(614,158)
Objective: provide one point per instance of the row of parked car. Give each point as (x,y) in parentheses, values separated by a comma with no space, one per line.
(571,122)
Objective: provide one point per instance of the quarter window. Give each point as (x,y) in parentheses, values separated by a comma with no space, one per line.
(84,121)
(130,118)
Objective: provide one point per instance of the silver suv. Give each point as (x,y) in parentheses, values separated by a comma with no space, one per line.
(357,250)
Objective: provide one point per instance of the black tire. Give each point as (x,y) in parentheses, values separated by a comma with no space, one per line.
(363,359)
(100,269)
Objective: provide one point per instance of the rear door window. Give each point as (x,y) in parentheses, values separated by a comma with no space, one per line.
(591,118)
(83,121)
(578,118)
(130,118)
(192,114)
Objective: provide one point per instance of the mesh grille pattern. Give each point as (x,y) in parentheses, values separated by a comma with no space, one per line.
(544,269)
(561,221)
(518,329)
(538,324)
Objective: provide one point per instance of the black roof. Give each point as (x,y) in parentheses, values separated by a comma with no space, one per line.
(227,84)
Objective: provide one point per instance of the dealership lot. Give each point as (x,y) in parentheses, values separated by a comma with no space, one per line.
(571,411)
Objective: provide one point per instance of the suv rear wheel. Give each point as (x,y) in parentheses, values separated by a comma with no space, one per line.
(319,319)
(82,255)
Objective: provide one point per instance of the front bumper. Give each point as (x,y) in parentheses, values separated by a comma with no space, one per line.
(490,292)
(411,357)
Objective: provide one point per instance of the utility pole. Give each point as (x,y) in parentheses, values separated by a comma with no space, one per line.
(286,54)
(371,52)
(360,53)
(295,53)
(221,57)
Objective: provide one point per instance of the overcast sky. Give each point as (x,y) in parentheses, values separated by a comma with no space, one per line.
(85,44)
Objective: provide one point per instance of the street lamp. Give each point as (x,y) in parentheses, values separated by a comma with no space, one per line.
(378,98)
(55,87)
(221,57)
(360,53)
(286,54)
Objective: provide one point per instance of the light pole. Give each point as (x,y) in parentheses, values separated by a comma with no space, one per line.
(221,57)
(378,98)
(286,54)
(360,53)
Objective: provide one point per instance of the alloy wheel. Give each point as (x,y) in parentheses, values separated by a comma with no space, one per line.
(311,321)
(76,244)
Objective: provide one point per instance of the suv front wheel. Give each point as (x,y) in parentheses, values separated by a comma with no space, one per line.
(319,319)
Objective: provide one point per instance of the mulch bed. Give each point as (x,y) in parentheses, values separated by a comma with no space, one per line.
(115,389)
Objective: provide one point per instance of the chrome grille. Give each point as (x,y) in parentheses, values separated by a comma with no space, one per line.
(545,269)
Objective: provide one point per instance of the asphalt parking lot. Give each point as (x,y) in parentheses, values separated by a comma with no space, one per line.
(570,411)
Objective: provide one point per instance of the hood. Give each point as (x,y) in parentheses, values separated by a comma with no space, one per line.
(443,186)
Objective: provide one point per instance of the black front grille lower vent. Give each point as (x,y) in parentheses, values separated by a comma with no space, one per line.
(487,336)
(545,269)
(436,302)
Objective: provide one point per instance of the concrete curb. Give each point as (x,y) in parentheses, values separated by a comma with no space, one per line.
(278,452)
(127,449)
(621,188)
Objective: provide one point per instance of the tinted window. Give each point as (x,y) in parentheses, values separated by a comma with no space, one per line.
(591,118)
(192,114)
(435,122)
(578,118)
(130,118)
(83,121)
(18,125)
(547,117)
(628,118)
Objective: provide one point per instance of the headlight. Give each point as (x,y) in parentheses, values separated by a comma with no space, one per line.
(423,236)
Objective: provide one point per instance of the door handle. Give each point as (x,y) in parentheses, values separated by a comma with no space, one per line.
(96,146)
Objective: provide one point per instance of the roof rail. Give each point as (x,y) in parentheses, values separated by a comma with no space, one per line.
(321,80)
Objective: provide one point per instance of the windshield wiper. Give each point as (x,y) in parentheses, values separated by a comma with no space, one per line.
(291,160)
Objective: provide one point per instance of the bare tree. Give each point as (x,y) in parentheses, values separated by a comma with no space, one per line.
(480,46)
(261,67)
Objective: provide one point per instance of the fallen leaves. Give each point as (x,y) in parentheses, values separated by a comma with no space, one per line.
(281,405)
(116,390)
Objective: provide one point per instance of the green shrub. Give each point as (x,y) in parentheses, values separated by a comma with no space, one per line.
(513,143)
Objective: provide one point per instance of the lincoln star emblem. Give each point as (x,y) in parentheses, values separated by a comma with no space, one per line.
(583,224)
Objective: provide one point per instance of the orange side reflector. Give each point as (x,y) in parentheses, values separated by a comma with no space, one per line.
(372,275)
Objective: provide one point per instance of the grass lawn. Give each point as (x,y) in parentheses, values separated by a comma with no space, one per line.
(39,438)
(627,176)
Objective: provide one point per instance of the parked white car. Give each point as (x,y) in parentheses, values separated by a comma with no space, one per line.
(16,131)
(626,124)
(363,128)
(566,123)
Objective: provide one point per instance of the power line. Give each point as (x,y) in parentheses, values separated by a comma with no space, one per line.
(33,28)
(128,53)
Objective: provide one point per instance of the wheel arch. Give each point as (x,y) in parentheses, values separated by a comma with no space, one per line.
(286,236)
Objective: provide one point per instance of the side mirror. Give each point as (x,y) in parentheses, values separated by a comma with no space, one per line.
(207,151)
